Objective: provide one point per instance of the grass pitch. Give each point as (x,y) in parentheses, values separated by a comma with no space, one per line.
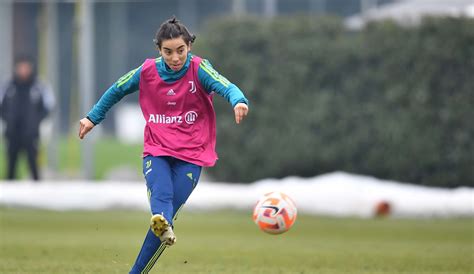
(33,241)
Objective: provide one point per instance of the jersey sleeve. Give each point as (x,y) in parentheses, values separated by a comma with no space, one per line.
(127,84)
(212,81)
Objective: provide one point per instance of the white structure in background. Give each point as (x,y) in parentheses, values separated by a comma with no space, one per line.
(129,123)
(6,22)
(335,194)
(410,12)
(6,62)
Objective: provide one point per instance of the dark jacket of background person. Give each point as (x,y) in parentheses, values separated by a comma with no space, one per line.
(24,103)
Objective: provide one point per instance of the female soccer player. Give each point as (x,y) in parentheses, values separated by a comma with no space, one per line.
(179,138)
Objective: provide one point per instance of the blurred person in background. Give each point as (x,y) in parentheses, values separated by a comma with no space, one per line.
(175,96)
(24,102)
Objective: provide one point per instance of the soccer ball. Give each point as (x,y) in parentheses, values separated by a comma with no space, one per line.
(275,213)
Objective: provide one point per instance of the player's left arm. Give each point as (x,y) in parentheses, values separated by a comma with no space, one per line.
(47,97)
(212,81)
(127,84)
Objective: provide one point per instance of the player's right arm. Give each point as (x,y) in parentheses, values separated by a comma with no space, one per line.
(127,84)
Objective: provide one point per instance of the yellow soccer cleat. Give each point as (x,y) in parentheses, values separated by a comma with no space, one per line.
(162,229)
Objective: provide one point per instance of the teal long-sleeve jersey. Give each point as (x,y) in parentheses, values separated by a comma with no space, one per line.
(209,79)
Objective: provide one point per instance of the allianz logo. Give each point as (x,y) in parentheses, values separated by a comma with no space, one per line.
(189,118)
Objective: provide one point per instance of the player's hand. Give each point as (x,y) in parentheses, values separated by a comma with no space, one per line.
(85,125)
(240,111)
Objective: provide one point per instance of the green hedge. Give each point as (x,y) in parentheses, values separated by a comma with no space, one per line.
(388,101)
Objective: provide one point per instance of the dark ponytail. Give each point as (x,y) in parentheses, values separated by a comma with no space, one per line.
(170,29)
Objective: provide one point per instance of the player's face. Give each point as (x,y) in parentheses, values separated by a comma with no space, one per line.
(174,52)
(24,70)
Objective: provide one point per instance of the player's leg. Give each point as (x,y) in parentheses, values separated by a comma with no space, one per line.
(161,192)
(150,252)
(13,150)
(157,173)
(185,178)
(31,147)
